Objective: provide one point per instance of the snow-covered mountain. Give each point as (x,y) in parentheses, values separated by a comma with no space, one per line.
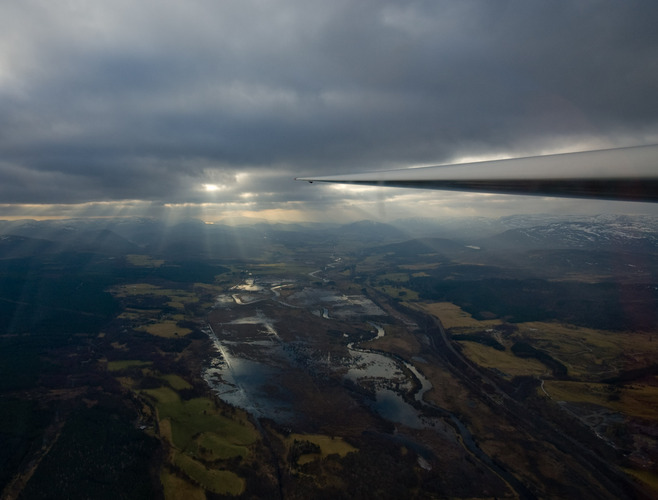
(609,232)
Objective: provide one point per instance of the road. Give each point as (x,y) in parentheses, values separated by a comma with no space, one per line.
(614,480)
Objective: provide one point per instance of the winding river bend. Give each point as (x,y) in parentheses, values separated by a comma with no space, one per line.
(398,385)
(392,406)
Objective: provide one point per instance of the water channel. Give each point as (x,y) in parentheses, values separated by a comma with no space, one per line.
(399,387)
(245,383)
(239,381)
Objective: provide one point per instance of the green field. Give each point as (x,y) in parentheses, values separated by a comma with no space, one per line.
(217,481)
(504,361)
(329,445)
(638,400)
(143,260)
(175,486)
(198,416)
(176,381)
(167,329)
(452,316)
(201,437)
(211,446)
(115,366)
(135,289)
(398,292)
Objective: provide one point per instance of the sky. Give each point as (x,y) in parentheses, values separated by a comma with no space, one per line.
(209,109)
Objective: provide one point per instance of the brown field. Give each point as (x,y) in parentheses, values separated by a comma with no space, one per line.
(396,340)
(176,295)
(177,487)
(638,400)
(446,392)
(207,288)
(452,316)
(165,430)
(329,445)
(587,353)
(648,478)
(210,446)
(281,268)
(131,315)
(133,289)
(167,329)
(397,277)
(114,366)
(217,481)
(196,431)
(126,382)
(420,267)
(143,260)
(509,364)
(398,291)
(592,354)
(176,381)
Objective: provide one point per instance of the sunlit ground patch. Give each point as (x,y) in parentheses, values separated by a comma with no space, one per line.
(198,432)
(133,289)
(198,415)
(217,481)
(177,487)
(396,340)
(452,316)
(176,295)
(143,260)
(176,381)
(639,399)
(163,396)
(398,292)
(166,329)
(647,477)
(131,315)
(328,446)
(210,446)
(123,364)
(507,363)
(592,354)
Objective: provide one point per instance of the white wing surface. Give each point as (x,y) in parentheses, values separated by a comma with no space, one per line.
(629,174)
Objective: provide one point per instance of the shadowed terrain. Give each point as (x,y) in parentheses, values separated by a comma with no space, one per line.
(363,361)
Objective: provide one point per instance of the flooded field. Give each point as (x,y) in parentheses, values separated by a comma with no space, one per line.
(246,383)
(256,353)
(325,360)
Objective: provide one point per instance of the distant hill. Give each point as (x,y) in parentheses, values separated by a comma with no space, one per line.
(18,247)
(193,238)
(103,241)
(370,231)
(457,228)
(32,239)
(623,234)
(420,246)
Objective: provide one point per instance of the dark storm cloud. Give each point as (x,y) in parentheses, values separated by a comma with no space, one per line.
(150,100)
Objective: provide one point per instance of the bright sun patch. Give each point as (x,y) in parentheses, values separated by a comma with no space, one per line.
(211,187)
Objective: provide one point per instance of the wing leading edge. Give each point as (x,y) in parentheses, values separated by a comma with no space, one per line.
(629,174)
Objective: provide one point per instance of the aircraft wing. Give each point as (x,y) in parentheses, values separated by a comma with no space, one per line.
(629,174)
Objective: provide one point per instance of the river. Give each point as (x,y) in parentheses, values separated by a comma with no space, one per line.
(398,385)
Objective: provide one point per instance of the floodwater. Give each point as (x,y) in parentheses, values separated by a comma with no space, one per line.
(251,383)
(247,383)
(392,407)
(259,319)
(385,375)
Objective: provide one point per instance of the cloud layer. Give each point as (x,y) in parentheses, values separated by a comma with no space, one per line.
(148,101)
